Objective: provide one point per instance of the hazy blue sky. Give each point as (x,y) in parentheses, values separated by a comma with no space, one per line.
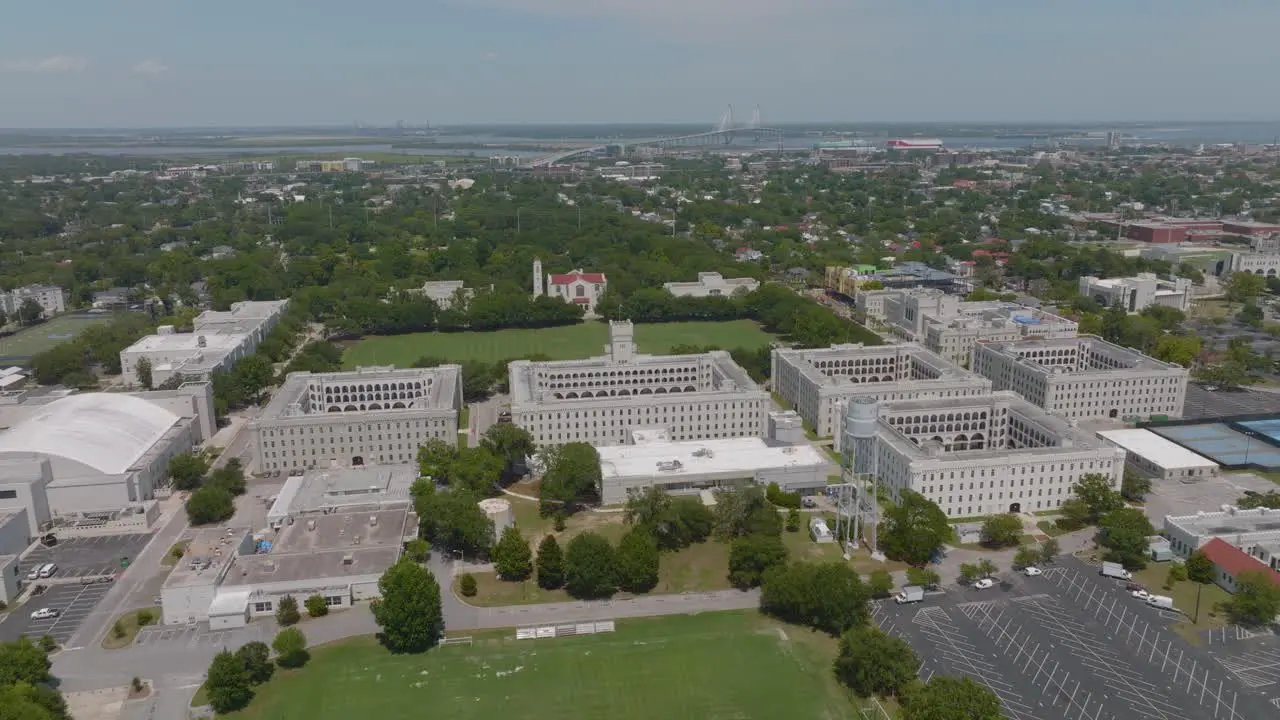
(89,63)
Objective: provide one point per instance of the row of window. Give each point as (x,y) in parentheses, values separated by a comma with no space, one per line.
(438,422)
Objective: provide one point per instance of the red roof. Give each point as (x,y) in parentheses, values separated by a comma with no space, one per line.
(568,278)
(1235,561)
(582,301)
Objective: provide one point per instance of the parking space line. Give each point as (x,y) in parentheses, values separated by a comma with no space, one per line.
(950,644)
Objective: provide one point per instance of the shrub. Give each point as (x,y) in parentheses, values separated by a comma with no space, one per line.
(117,630)
(47,643)
(136,684)
(550,564)
(793,520)
(467,585)
(146,617)
(316,606)
(559,523)
(775,495)
(287,613)
(291,648)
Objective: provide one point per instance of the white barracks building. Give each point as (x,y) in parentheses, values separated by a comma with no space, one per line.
(819,383)
(1084,378)
(600,400)
(369,416)
(976,455)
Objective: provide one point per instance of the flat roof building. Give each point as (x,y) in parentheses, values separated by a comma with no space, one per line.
(50,298)
(692,466)
(950,326)
(218,340)
(711,284)
(332,534)
(818,383)
(1084,378)
(368,416)
(600,400)
(976,455)
(1156,457)
(1245,529)
(1133,294)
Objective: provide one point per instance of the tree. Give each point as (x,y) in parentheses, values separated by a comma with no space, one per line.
(1026,556)
(435,457)
(1178,349)
(1200,568)
(1074,514)
(969,573)
(187,471)
(673,522)
(1002,531)
(1257,599)
(476,469)
(210,504)
(256,658)
(1134,487)
(1177,573)
(825,596)
(227,684)
(467,585)
(1250,314)
(418,549)
(30,312)
(914,529)
(872,662)
(143,372)
(590,567)
(21,661)
(880,583)
(510,442)
(1098,494)
(291,648)
(751,556)
(637,561)
(316,606)
(409,611)
(923,577)
(949,698)
(229,477)
(550,564)
(793,520)
(454,521)
(1124,535)
(512,557)
(744,511)
(287,611)
(1049,550)
(572,474)
(1242,286)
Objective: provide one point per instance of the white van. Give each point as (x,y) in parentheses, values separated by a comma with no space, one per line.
(47,570)
(1160,601)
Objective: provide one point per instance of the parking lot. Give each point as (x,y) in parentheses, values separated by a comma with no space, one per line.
(74,601)
(1178,498)
(1201,403)
(80,557)
(195,636)
(1071,644)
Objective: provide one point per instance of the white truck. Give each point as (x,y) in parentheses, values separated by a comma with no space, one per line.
(909,594)
(1160,601)
(1116,570)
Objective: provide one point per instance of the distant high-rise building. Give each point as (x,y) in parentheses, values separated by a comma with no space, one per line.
(1113,139)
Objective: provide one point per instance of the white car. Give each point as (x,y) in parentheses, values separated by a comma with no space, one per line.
(1140,594)
(1031,571)
(984,583)
(45,614)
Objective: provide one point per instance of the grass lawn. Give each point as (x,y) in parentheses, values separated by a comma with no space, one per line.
(1152,578)
(130,626)
(561,343)
(38,338)
(712,665)
(175,553)
(1049,528)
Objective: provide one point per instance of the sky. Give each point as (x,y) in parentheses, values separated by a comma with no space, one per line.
(189,63)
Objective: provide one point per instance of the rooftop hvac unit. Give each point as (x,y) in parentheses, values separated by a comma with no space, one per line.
(348,559)
(311,525)
(202,341)
(669,465)
(373,521)
(703,452)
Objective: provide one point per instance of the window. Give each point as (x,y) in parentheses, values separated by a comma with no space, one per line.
(332,600)
(262,607)
(8,494)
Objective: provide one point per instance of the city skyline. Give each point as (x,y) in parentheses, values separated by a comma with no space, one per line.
(151,64)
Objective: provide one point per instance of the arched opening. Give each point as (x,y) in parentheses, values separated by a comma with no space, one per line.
(350,408)
(398,406)
(1114,412)
(357,461)
(1015,507)
(334,408)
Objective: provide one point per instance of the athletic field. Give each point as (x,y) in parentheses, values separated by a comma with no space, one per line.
(30,341)
(734,665)
(569,342)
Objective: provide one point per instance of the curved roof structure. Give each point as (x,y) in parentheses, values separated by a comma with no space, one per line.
(105,431)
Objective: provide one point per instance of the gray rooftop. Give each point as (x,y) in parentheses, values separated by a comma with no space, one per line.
(322,566)
(1087,346)
(342,531)
(1229,522)
(372,486)
(294,398)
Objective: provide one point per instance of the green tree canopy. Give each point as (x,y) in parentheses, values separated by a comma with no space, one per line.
(590,567)
(227,683)
(637,558)
(949,698)
(1124,535)
(1098,494)
(572,474)
(914,529)
(512,557)
(1003,530)
(409,611)
(872,662)
(210,504)
(187,471)
(510,442)
(256,658)
(454,521)
(825,596)
(751,556)
(550,564)
(435,458)
(291,648)
(1256,600)
(1200,568)
(477,469)
(674,522)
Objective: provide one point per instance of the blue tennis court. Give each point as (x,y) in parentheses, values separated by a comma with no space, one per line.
(1269,427)
(1225,445)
